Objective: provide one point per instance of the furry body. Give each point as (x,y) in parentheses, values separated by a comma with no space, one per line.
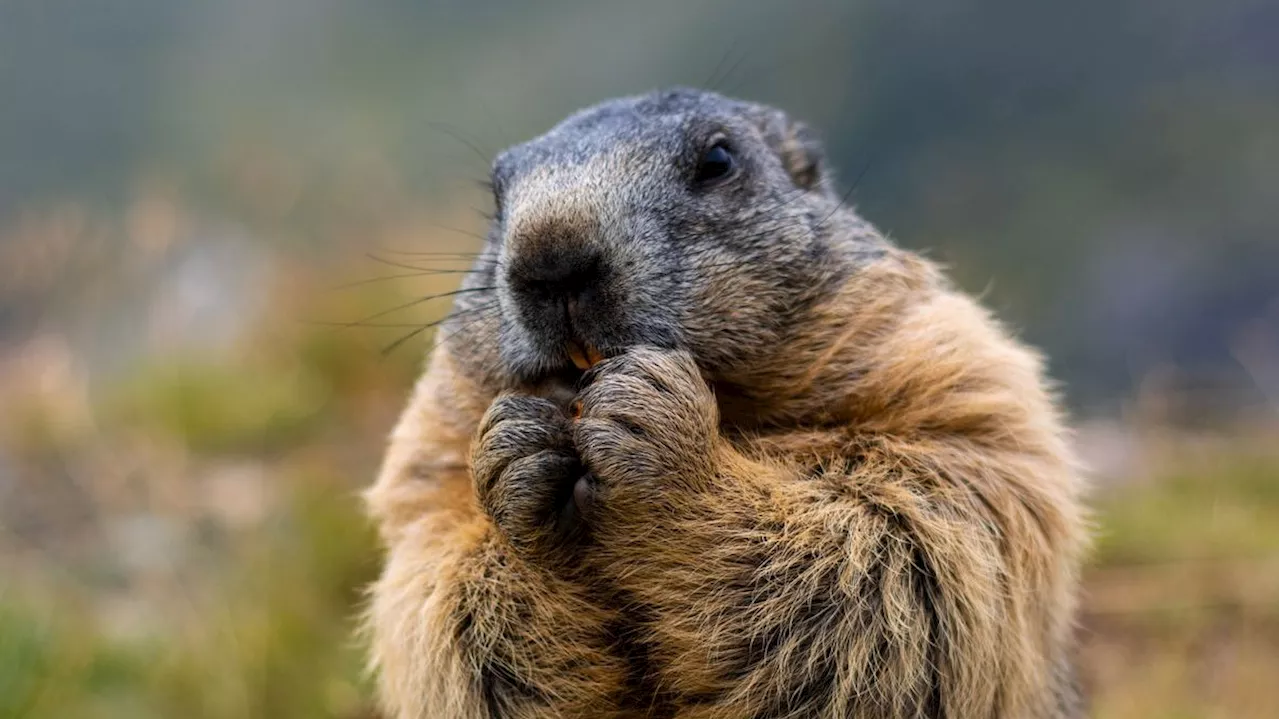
(810,478)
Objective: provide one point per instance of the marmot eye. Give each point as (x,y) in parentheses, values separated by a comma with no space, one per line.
(717,162)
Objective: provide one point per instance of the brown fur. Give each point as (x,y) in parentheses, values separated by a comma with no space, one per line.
(909,549)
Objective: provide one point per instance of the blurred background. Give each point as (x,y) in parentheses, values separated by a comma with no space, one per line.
(210,213)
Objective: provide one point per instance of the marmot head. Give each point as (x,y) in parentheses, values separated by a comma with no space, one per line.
(676,219)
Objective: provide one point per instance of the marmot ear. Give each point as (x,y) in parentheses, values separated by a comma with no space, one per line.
(800,150)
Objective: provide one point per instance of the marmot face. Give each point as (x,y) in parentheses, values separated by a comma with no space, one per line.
(680,219)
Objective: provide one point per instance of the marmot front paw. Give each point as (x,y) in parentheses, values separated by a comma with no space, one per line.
(647,424)
(524,468)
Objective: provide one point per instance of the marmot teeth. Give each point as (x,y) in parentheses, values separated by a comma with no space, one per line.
(584,356)
(578,356)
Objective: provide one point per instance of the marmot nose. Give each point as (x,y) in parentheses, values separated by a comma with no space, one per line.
(557,280)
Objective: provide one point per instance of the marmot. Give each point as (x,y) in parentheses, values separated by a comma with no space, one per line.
(698,441)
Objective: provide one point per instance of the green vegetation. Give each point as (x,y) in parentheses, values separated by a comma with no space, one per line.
(193,544)
(1214,510)
(1180,603)
(272,639)
(263,629)
(212,408)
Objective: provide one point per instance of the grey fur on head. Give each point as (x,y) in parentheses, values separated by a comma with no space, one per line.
(603,236)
